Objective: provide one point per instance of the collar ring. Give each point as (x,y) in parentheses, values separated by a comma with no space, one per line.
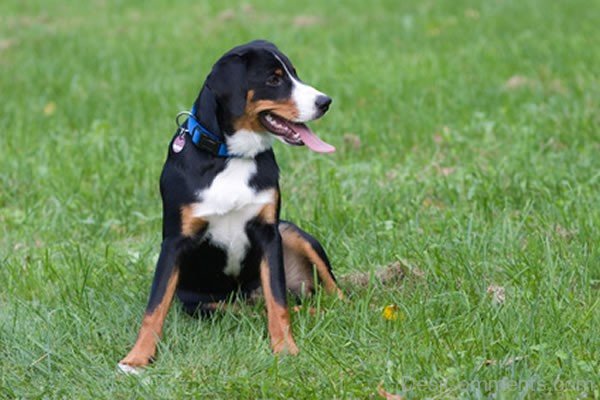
(181,114)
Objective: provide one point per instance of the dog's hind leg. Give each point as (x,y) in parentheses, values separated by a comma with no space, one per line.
(301,251)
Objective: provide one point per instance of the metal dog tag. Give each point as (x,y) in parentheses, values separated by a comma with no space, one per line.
(178,143)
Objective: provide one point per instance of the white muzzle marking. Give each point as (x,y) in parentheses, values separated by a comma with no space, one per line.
(304,96)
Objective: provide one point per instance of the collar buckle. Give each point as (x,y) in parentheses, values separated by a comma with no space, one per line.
(205,142)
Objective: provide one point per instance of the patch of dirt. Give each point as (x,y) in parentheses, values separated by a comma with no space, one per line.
(391,274)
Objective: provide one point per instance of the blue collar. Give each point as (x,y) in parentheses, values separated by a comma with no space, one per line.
(203,138)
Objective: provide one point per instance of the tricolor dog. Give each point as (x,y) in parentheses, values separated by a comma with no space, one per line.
(222,235)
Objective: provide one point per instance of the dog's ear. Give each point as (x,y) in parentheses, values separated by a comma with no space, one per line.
(229,84)
(206,105)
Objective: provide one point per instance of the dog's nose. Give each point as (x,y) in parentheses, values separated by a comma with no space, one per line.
(322,102)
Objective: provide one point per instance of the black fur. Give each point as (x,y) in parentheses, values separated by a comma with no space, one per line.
(196,262)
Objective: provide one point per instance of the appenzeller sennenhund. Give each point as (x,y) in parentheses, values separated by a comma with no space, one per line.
(222,235)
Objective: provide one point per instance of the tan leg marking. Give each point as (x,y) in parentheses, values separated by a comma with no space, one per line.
(144,349)
(295,241)
(190,225)
(279,317)
(268,214)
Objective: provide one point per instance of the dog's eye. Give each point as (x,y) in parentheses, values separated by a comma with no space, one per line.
(274,80)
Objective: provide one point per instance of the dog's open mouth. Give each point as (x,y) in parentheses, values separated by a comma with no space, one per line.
(294,133)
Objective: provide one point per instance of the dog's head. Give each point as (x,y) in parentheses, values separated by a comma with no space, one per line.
(256,94)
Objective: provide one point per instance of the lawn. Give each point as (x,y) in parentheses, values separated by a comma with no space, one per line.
(468,137)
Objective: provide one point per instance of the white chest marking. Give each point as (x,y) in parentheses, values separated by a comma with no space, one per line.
(228,204)
(248,144)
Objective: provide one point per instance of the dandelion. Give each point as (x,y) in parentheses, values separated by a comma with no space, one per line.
(390,312)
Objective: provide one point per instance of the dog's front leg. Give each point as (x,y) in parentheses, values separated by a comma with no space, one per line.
(272,276)
(161,295)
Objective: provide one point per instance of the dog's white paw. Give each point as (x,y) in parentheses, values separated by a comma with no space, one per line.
(128,369)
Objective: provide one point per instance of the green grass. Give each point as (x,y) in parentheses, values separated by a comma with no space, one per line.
(469,177)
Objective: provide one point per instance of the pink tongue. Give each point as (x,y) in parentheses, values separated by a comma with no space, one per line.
(311,140)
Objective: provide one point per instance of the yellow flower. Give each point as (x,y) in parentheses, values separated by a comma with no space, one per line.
(390,312)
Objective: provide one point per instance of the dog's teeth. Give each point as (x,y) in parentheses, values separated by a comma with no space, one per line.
(282,128)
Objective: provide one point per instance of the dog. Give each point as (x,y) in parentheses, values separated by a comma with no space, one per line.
(222,235)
